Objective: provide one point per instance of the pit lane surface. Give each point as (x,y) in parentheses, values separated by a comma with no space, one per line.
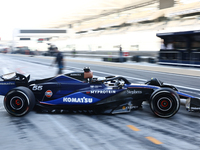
(137,130)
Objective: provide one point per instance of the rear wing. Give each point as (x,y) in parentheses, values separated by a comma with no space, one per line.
(13,76)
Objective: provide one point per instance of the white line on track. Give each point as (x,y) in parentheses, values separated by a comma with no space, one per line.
(190,88)
(157,72)
(63,128)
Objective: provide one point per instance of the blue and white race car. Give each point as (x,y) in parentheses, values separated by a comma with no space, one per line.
(79,91)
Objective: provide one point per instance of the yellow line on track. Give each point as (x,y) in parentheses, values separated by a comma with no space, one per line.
(133,128)
(155,141)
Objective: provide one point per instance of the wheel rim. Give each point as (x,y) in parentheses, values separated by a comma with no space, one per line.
(164,104)
(16,103)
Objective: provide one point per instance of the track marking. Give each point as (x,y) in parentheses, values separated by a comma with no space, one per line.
(133,128)
(64,129)
(19,70)
(155,141)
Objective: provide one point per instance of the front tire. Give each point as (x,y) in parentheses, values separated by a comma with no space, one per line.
(165,103)
(19,101)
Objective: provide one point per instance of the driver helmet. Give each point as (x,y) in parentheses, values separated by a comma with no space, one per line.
(86,69)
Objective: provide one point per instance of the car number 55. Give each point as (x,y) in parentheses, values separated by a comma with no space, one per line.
(37,88)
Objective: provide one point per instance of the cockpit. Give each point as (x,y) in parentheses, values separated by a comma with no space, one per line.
(110,81)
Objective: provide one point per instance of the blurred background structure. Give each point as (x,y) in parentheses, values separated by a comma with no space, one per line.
(103,25)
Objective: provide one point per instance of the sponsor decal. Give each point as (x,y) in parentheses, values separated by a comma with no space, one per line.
(134,92)
(96,86)
(7,83)
(103,92)
(48,93)
(77,100)
(75,74)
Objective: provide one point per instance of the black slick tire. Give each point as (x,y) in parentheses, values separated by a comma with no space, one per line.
(164,102)
(19,101)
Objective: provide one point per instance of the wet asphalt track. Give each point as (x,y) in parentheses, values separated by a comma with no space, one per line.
(137,130)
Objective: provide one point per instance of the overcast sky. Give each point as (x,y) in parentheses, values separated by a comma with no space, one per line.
(29,13)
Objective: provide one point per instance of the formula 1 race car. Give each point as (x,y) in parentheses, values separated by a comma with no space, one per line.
(79,91)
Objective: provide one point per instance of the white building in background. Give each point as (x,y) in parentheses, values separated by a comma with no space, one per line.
(130,41)
(140,35)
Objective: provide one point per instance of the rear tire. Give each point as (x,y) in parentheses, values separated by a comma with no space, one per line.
(165,103)
(19,101)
